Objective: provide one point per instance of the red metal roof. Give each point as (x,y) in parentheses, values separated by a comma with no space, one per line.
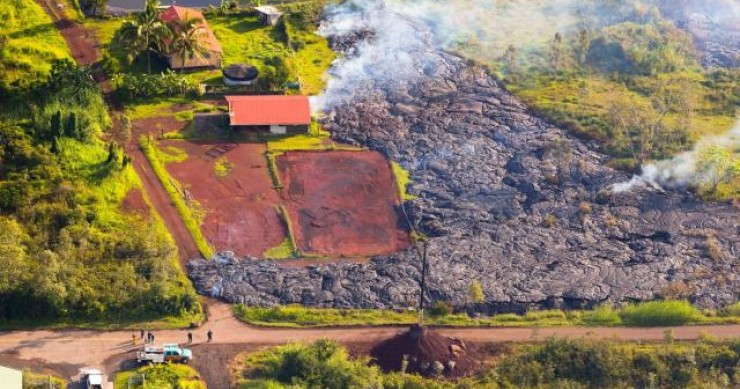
(268,110)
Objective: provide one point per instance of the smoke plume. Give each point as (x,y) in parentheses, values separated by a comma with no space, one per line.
(684,169)
(395,39)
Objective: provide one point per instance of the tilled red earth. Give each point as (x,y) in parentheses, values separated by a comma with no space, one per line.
(241,212)
(341,203)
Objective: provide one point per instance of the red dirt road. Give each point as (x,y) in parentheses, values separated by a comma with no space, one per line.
(341,203)
(94,348)
(241,208)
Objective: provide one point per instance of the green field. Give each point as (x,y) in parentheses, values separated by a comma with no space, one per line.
(23,61)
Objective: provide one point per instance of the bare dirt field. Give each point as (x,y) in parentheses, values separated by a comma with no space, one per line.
(341,203)
(241,213)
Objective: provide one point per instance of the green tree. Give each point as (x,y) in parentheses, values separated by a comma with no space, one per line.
(511,57)
(475,293)
(187,42)
(716,165)
(145,34)
(96,6)
(557,53)
(55,129)
(584,42)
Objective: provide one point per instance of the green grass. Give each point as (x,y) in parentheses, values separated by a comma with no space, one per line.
(284,250)
(222,168)
(660,313)
(160,376)
(402,178)
(45,381)
(157,160)
(22,58)
(668,313)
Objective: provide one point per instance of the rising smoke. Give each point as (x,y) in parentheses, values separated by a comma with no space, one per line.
(684,169)
(398,40)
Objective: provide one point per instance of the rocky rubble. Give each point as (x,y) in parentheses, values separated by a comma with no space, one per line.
(507,200)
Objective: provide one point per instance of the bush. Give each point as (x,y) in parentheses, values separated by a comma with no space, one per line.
(168,83)
(440,308)
(603,315)
(659,313)
(322,364)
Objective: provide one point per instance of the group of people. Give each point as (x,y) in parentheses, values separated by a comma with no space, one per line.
(150,337)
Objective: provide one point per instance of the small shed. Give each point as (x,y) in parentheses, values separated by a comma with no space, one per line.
(277,114)
(240,74)
(269,15)
(11,378)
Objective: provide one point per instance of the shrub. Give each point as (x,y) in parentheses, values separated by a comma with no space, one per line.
(603,315)
(730,310)
(168,83)
(659,313)
(440,308)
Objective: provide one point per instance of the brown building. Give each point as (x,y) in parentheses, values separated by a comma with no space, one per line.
(214,53)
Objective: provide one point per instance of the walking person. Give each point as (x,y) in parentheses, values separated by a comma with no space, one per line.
(133,339)
(210,335)
(141,334)
(151,338)
(190,336)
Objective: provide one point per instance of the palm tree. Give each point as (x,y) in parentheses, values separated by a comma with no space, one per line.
(187,40)
(146,33)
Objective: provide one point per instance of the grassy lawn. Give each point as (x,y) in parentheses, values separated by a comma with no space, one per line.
(160,376)
(24,24)
(655,313)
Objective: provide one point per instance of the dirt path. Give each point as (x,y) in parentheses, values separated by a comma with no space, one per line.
(84,49)
(111,349)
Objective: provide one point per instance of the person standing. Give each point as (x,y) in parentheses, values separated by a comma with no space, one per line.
(190,336)
(149,337)
(133,339)
(141,334)
(210,335)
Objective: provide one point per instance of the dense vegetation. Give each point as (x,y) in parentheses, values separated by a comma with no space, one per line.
(556,364)
(23,61)
(289,55)
(69,252)
(633,83)
(161,376)
(654,313)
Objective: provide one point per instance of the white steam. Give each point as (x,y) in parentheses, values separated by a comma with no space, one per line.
(683,169)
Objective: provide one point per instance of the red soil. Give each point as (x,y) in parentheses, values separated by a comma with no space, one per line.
(134,203)
(241,208)
(422,348)
(341,203)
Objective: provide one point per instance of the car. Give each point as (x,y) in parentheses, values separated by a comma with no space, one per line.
(93,379)
(164,353)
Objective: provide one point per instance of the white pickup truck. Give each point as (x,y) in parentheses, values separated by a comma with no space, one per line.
(164,353)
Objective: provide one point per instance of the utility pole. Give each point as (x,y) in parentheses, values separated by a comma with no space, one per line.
(423,256)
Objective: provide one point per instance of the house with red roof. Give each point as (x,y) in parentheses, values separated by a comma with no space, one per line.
(278,114)
(214,53)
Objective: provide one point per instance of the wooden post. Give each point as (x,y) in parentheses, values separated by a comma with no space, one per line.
(423,282)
